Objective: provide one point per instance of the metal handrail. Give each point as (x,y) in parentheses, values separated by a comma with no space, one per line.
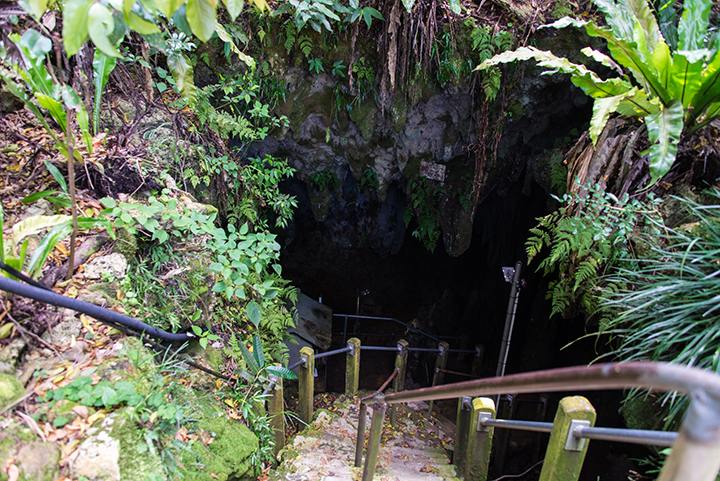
(633,436)
(648,375)
(696,449)
(347,316)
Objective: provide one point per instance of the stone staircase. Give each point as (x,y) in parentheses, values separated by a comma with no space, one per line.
(416,448)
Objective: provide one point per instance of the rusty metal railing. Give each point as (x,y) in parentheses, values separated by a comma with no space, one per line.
(695,453)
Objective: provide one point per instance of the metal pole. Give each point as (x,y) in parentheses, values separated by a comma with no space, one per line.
(509,320)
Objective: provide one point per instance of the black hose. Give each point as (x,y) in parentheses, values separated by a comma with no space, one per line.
(99,313)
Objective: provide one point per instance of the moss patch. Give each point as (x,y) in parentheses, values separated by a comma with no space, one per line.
(226,457)
(36,461)
(10,389)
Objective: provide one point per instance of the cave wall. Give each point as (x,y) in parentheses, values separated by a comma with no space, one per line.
(437,130)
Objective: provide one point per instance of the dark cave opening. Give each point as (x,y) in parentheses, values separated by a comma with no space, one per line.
(464,296)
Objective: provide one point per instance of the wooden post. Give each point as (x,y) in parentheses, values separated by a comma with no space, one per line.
(360,440)
(352,367)
(440,364)
(565,453)
(479,442)
(376,425)
(277,418)
(462,430)
(696,451)
(399,381)
(477,360)
(306,384)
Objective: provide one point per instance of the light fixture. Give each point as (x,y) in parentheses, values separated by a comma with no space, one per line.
(508,273)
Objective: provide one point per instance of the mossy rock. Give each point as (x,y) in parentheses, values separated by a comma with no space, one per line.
(10,389)
(227,457)
(118,449)
(364,115)
(126,244)
(36,461)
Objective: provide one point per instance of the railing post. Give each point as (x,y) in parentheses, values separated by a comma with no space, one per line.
(399,381)
(373,449)
(440,364)
(479,441)
(352,367)
(275,412)
(360,441)
(565,453)
(696,452)
(462,430)
(477,360)
(306,384)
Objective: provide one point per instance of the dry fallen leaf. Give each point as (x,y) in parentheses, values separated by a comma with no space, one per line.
(81,411)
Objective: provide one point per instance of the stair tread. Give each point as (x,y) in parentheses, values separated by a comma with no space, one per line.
(325,451)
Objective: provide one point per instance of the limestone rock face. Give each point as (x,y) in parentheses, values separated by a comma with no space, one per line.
(10,354)
(113,264)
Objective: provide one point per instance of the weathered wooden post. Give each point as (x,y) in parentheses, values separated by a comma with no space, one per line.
(306,384)
(565,453)
(275,411)
(479,441)
(477,360)
(373,449)
(440,365)
(399,381)
(352,367)
(462,430)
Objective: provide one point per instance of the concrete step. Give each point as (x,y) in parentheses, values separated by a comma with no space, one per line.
(414,449)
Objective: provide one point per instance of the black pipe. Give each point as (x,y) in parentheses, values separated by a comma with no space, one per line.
(99,313)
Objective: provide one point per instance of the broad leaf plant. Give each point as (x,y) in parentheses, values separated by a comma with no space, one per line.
(674,91)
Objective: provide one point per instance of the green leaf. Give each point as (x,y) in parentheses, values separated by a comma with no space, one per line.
(225,37)
(686,77)
(202,17)
(39,195)
(36,8)
(46,246)
(258,351)
(75,25)
(455,7)
(693,25)
(102,67)
(234,8)
(281,371)
(249,359)
(37,44)
(18,92)
(55,172)
(168,7)
(628,55)
(140,25)
(100,24)
(664,130)
(182,72)
(33,225)
(602,108)
(254,313)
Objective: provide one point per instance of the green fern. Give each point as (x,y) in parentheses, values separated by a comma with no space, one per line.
(305,43)
(290,34)
(583,236)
